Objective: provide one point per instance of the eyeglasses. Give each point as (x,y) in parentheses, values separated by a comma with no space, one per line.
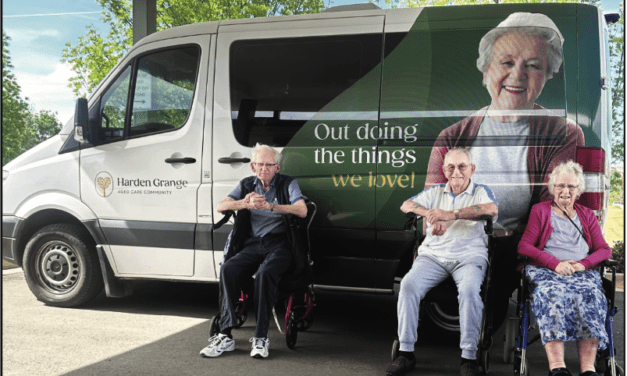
(564,186)
(266,165)
(451,168)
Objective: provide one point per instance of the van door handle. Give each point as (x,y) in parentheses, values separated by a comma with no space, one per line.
(233,160)
(180,160)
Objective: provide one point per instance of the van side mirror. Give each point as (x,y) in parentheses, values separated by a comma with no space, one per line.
(81,120)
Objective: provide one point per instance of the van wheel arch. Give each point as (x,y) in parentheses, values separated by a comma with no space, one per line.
(39,220)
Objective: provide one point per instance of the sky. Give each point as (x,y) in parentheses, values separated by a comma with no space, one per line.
(39,31)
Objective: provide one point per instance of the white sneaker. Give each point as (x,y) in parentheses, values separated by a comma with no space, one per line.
(217,345)
(260,347)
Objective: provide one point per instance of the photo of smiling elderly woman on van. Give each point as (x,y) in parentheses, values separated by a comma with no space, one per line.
(516,141)
(514,134)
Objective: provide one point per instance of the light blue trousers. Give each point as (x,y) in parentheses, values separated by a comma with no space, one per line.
(426,273)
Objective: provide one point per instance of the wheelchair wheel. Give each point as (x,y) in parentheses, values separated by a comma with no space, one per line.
(517,363)
(214,325)
(619,371)
(485,361)
(509,345)
(242,314)
(396,348)
(292,332)
(305,323)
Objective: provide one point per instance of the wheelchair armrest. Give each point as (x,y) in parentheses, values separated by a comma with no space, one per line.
(227,215)
(608,263)
(522,258)
(489,225)
(412,219)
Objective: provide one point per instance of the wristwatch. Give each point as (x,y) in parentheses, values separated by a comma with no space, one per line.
(456,212)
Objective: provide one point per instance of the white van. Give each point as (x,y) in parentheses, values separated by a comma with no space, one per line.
(355,99)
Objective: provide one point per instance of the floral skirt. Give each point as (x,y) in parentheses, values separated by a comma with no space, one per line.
(568,308)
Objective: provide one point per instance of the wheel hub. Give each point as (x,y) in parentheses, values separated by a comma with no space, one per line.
(59,266)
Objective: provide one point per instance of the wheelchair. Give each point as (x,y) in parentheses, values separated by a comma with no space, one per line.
(298,303)
(605,361)
(446,292)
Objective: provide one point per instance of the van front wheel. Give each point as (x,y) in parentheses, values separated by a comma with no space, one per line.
(61,266)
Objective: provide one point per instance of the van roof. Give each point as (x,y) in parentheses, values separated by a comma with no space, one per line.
(392,16)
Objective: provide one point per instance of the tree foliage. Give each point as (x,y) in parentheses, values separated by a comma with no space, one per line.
(617,63)
(94,55)
(14,109)
(21,129)
(41,126)
(617,188)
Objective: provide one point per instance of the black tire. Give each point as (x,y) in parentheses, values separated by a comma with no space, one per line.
(61,266)
(444,315)
(485,361)
(291,335)
(396,347)
(619,371)
(509,340)
(214,325)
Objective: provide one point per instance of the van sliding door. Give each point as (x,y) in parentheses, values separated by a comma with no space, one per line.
(310,88)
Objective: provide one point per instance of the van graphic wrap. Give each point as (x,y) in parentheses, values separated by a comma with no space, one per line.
(429,81)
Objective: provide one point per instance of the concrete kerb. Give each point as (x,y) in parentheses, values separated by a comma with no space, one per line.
(12,271)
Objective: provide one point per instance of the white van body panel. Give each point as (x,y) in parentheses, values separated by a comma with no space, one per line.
(153,261)
(43,168)
(140,206)
(55,200)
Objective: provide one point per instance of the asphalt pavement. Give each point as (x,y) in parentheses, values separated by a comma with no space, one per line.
(162,327)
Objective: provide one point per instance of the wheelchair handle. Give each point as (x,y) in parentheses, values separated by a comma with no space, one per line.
(608,263)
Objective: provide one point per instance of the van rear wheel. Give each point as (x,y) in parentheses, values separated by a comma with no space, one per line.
(61,266)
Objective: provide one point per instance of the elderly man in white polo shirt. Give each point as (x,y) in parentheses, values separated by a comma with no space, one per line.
(455,245)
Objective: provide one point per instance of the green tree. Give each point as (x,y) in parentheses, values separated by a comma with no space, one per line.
(14,109)
(41,126)
(94,56)
(617,62)
(617,187)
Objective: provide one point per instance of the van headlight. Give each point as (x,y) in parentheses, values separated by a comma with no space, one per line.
(5,175)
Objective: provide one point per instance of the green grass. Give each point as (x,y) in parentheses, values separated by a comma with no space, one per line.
(615,227)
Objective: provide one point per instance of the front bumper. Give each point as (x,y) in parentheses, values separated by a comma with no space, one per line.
(10,225)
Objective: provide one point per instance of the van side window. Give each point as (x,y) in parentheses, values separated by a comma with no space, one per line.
(164,90)
(113,107)
(278,84)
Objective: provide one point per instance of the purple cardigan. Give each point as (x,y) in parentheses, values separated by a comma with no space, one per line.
(539,231)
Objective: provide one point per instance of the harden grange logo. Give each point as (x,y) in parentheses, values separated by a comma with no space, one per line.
(104,184)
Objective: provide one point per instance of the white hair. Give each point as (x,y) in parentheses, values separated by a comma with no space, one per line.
(259,147)
(552,39)
(459,150)
(569,167)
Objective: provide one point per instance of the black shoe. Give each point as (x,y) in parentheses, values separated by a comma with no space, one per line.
(469,369)
(400,366)
(589,373)
(560,372)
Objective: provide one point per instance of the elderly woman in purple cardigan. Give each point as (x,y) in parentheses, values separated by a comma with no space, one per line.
(564,243)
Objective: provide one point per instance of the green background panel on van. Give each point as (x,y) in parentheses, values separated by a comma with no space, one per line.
(427,81)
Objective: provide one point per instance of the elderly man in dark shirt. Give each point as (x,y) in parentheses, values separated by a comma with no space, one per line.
(259,243)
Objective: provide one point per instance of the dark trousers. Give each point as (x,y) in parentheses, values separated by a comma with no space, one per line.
(268,256)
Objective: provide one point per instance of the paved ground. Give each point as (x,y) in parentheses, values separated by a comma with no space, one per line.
(161,329)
